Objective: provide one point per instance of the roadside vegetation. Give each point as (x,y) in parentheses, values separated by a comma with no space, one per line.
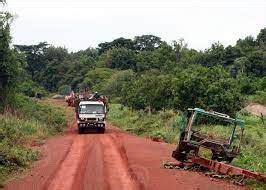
(164,126)
(27,124)
(259,97)
(160,126)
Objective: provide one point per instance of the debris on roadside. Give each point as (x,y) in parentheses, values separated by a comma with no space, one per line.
(214,176)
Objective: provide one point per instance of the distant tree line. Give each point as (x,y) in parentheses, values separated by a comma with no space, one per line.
(143,72)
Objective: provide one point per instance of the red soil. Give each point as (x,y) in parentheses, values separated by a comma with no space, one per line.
(115,160)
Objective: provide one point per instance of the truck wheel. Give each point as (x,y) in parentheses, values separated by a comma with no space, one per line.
(80,130)
(102,130)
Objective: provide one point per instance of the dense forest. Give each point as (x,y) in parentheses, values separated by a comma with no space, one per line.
(142,73)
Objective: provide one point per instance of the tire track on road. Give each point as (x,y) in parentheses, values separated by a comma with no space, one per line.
(117,168)
(64,177)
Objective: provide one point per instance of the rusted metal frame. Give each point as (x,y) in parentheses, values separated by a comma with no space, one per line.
(240,140)
(227,169)
(191,121)
(230,120)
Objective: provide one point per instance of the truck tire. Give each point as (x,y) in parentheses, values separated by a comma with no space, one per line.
(102,130)
(80,130)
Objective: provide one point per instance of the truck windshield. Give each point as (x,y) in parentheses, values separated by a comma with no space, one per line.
(91,109)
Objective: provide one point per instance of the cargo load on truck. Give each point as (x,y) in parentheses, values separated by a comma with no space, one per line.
(90,110)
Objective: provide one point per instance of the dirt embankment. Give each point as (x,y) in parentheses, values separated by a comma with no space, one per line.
(257,109)
(115,160)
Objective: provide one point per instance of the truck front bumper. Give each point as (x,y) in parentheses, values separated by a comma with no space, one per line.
(91,125)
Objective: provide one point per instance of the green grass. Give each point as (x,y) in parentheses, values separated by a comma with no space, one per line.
(158,126)
(165,126)
(29,121)
(53,117)
(253,152)
(259,97)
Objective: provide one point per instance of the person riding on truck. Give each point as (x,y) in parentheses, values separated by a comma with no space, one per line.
(96,96)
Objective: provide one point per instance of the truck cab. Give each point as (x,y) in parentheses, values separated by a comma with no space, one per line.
(91,115)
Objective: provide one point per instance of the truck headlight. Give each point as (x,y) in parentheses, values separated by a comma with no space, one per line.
(101,119)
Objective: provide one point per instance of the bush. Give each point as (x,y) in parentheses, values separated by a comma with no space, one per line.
(258,97)
(15,132)
(30,121)
(248,86)
(64,90)
(30,88)
(44,113)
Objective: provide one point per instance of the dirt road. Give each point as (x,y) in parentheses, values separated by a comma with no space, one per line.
(115,160)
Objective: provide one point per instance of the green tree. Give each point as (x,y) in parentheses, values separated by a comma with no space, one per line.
(246,46)
(10,67)
(261,38)
(257,64)
(55,68)
(150,91)
(215,55)
(179,46)
(115,87)
(241,64)
(121,58)
(117,43)
(208,88)
(34,56)
(147,42)
(230,55)
(96,78)
(162,58)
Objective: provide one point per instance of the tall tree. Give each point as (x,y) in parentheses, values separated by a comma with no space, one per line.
(9,66)
(34,56)
(261,39)
(121,58)
(214,55)
(55,68)
(179,46)
(117,43)
(246,45)
(147,42)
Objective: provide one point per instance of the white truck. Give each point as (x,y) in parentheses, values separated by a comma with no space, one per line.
(91,115)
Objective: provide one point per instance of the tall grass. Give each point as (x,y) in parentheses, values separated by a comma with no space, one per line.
(259,97)
(161,126)
(253,152)
(26,123)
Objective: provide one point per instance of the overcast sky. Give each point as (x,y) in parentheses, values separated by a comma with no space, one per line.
(79,24)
